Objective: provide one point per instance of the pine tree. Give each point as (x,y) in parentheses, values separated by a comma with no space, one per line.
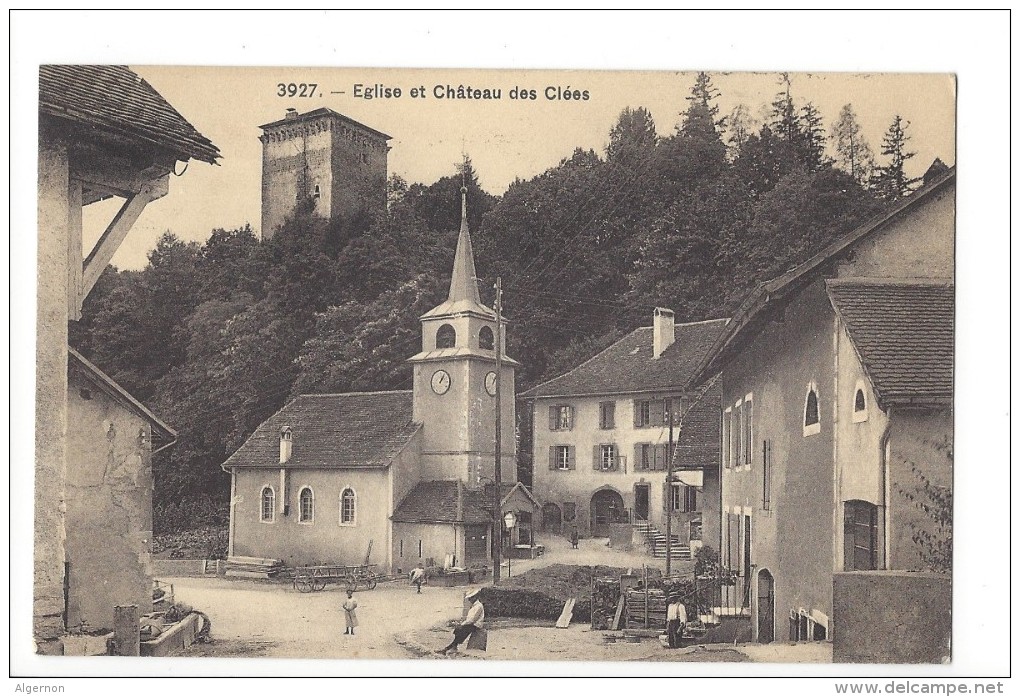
(853,154)
(740,126)
(890,182)
(702,111)
(632,138)
(811,138)
(783,119)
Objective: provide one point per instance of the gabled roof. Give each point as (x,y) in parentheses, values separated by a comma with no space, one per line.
(903,335)
(324,112)
(357,430)
(628,366)
(77,362)
(506,491)
(115,100)
(752,314)
(445,501)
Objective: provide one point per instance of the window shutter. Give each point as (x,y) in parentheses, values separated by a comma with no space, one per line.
(611,415)
(571,459)
(665,496)
(665,412)
(595,465)
(637,456)
(570,418)
(552,419)
(552,457)
(637,413)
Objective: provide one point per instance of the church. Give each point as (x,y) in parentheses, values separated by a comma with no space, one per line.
(391,478)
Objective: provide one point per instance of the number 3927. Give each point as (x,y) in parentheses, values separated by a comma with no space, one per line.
(296,89)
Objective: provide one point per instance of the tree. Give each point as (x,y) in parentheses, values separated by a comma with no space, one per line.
(933,534)
(853,154)
(783,120)
(890,181)
(632,138)
(702,111)
(811,138)
(740,127)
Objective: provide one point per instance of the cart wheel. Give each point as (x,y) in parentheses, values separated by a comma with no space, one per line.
(352,585)
(303,584)
(318,584)
(372,583)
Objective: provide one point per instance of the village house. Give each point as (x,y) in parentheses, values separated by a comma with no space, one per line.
(602,434)
(836,385)
(392,478)
(103,132)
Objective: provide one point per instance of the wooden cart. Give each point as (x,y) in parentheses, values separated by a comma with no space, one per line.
(356,577)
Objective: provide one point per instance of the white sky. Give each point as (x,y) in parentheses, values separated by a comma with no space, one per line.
(505,138)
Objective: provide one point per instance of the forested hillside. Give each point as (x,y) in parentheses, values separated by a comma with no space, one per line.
(216,337)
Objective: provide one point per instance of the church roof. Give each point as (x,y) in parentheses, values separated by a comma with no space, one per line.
(628,366)
(444,501)
(903,335)
(463,295)
(334,431)
(115,100)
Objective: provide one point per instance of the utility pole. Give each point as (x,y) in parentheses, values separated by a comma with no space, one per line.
(669,491)
(497,527)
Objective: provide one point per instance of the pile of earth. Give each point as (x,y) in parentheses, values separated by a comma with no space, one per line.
(540,593)
(201,543)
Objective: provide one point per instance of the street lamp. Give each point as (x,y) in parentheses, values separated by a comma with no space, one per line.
(510,520)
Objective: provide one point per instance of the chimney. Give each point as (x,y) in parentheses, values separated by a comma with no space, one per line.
(286,444)
(662,331)
(291,113)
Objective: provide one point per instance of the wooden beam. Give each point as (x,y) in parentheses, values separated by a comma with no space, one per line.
(74,251)
(118,229)
(116,174)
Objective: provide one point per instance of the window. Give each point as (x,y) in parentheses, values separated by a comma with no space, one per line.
(348,507)
(306,505)
(605,458)
(607,415)
(811,422)
(561,457)
(648,456)
(643,410)
(748,447)
(569,511)
(286,435)
(561,417)
(446,337)
(486,340)
(316,193)
(684,498)
(766,469)
(268,505)
(860,404)
(671,408)
(726,435)
(860,536)
(737,433)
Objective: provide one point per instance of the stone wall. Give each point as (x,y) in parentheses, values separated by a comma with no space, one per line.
(891,617)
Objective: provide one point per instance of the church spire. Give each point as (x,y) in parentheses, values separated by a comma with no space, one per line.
(463,285)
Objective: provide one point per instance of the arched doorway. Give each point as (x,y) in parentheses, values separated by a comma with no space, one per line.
(606,508)
(766,607)
(552,521)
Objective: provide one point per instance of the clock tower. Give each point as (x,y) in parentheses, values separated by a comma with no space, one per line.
(454,381)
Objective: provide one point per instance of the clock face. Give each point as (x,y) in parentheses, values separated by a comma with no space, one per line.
(440,382)
(490,383)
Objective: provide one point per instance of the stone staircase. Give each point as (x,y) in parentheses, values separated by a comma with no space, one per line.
(656,542)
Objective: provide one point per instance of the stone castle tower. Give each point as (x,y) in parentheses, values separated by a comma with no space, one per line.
(322,156)
(454,381)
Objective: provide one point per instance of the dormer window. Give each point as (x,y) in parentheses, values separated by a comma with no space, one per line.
(812,424)
(316,192)
(486,340)
(446,337)
(286,444)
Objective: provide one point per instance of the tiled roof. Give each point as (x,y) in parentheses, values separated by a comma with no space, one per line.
(752,314)
(112,98)
(442,502)
(627,366)
(342,431)
(903,334)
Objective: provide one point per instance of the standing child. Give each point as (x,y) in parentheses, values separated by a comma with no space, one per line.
(350,616)
(418,576)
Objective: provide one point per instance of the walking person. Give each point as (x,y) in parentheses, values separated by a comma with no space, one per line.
(573,537)
(676,620)
(418,576)
(471,623)
(350,607)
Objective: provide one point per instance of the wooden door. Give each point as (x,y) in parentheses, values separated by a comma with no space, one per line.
(766,607)
(641,501)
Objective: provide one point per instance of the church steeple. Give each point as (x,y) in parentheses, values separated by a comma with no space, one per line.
(463,286)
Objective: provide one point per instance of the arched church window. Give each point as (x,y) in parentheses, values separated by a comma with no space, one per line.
(306,506)
(485,339)
(446,337)
(348,503)
(268,504)
(811,421)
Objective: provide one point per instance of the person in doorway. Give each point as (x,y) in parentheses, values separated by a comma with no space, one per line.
(350,607)
(471,623)
(676,621)
(418,576)
(573,537)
